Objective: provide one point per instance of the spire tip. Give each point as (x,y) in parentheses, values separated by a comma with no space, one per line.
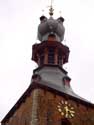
(51,10)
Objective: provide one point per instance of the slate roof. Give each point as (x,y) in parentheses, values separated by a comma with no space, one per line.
(47,86)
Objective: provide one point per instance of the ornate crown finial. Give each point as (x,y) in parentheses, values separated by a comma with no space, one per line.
(51,9)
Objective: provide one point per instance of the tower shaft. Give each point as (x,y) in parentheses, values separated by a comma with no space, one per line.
(50,100)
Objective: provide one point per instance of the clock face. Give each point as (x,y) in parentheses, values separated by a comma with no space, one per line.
(65,109)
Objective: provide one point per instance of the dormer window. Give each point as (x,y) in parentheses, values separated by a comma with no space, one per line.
(66,81)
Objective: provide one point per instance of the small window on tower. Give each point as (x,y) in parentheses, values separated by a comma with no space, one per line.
(65,122)
(51,56)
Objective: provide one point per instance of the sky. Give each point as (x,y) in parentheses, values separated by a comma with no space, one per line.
(19,20)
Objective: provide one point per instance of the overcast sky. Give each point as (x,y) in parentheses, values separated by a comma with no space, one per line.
(18,32)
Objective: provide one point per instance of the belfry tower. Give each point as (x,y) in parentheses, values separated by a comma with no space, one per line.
(50,100)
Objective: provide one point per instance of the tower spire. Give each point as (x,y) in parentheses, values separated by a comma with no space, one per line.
(51,9)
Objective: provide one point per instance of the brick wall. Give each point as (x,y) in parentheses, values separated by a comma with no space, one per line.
(46,111)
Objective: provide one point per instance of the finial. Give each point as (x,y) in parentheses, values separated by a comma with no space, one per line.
(51,9)
(60,12)
(42,11)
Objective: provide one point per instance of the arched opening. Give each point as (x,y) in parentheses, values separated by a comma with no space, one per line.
(51,55)
(52,37)
(65,122)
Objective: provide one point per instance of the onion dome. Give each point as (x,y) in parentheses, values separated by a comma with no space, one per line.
(51,26)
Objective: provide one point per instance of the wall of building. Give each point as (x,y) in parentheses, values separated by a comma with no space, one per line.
(47,112)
